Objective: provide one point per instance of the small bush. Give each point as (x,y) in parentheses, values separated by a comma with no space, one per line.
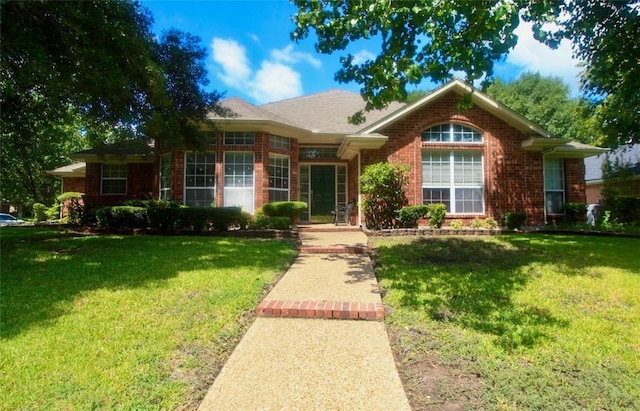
(437,214)
(477,223)
(514,220)
(382,185)
(113,218)
(409,216)
(575,212)
(456,224)
(625,208)
(291,209)
(75,206)
(275,223)
(490,223)
(39,211)
(53,212)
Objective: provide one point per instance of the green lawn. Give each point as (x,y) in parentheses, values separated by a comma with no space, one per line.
(127,322)
(515,321)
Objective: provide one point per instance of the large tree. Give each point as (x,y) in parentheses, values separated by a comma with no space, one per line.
(547,101)
(78,72)
(432,39)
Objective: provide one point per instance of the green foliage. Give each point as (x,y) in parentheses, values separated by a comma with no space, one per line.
(39,211)
(291,209)
(408,216)
(456,224)
(545,100)
(383,187)
(75,206)
(575,212)
(514,219)
(624,208)
(437,214)
(274,223)
(432,40)
(488,223)
(121,217)
(53,212)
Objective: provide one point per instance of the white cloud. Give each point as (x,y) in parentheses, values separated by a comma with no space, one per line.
(362,56)
(531,55)
(290,56)
(232,58)
(276,79)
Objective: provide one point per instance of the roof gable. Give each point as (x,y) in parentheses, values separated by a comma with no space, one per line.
(478,98)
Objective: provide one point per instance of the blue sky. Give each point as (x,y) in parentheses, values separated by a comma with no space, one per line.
(250,53)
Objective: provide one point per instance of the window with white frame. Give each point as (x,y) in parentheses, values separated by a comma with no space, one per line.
(199,179)
(165,177)
(278,178)
(114,179)
(454,178)
(282,143)
(238,179)
(239,138)
(451,133)
(554,185)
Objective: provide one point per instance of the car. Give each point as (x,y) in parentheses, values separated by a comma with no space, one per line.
(8,219)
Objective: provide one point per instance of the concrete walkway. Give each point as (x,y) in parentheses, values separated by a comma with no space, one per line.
(318,342)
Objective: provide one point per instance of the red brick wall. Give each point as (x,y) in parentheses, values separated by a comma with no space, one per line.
(513,177)
(140,179)
(73,184)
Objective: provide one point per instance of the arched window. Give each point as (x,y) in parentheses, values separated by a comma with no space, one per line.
(453,177)
(451,133)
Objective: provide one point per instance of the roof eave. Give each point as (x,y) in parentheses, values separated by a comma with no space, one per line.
(352,144)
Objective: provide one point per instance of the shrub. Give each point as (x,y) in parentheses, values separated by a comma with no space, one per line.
(408,216)
(625,208)
(275,223)
(74,204)
(113,218)
(291,209)
(575,212)
(39,211)
(164,219)
(224,217)
(382,186)
(514,220)
(456,224)
(53,212)
(490,223)
(477,223)
(437,214)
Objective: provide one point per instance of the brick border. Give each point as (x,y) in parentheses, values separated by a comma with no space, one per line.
(321,309)
(333,249)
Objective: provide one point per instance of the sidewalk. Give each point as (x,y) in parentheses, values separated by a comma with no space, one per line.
(318,342)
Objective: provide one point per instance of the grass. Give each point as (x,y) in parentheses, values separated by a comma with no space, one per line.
(515,321)
(137,322)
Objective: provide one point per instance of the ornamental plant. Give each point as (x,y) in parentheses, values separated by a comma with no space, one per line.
(437,214)
(382,185)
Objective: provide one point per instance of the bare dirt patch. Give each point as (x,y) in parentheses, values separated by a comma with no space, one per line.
(432,383)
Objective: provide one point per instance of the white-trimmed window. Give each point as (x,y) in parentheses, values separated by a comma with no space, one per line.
(165,177)
(454,178)
(114,179)
(199,179)
(278,178)
(554,185)
(451,133)
(238,179)
(239,138)
(279,142)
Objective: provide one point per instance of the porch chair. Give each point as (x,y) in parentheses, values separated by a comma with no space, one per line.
(342,214)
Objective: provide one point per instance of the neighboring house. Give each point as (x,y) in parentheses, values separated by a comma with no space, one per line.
(629,156)
(480,162)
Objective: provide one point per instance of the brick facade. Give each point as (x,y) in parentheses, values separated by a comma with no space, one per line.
(513,177)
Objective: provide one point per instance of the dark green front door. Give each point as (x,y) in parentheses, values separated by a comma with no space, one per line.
(323,190)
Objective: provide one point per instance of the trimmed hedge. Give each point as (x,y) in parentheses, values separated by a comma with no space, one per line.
(514,219)
(275,223)
(409,215)
(291,209)
(575,212)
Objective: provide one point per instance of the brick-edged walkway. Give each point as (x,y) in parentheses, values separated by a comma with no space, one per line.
(321,309)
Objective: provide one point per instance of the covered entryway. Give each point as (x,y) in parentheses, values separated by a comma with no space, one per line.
(323,186)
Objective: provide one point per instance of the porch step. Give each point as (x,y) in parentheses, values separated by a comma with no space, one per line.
(333,250)
(321,309)
(327,228)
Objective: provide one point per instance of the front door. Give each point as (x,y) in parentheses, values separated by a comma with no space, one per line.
(323,191)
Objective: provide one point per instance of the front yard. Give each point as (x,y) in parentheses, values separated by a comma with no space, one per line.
(137,322)
(514,321)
